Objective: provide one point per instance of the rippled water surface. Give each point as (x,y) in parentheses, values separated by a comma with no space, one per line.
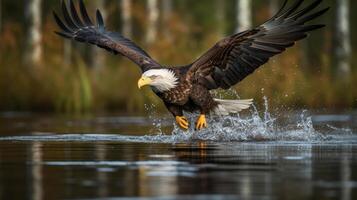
(255,156)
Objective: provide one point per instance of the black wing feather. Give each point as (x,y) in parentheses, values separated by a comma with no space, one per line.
(313,16)
(75,16)
(293,8)
(67,17)
(235,57)
(61,24)
(84,13)
(305,10)
(85,31)
(100,21)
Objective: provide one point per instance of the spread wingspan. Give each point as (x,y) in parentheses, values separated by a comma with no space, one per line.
(235,57)
(82,29)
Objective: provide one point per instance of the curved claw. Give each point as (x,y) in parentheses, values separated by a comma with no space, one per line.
(182,122)
(201,122)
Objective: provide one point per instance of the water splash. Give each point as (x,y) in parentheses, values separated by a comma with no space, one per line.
(344,131)
(157,121)
(251,128)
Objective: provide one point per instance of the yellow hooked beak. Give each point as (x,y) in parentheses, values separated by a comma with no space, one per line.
(144,81)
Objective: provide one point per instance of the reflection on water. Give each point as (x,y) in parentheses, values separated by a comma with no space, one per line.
(247,170)
(37,163)
(36,172)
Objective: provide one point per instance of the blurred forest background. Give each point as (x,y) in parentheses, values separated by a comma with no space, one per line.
(40,71)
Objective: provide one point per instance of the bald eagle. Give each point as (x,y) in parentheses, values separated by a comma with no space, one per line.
(228,62)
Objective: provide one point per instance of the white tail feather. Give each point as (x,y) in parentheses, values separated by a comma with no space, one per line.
(226,107)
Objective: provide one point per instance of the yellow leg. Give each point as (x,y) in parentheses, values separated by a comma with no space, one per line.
(182,122)
(201,122)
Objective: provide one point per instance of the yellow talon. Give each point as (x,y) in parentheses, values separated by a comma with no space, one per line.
(201,122)
(182,122)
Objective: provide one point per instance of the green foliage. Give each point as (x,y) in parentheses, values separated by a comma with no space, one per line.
(76,95)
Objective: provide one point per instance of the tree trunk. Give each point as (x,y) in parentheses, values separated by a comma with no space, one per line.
(153,9)
(274,7)
(220,17)
(167,14)
(97,58)
(0,16)
(342,40)
(33,52)
(126,7)
(244,16)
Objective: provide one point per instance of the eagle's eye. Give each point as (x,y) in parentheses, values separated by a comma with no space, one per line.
(153,77)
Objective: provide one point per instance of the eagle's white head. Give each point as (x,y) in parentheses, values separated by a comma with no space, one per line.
(161,79)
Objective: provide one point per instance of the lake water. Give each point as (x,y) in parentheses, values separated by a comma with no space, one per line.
(298,156)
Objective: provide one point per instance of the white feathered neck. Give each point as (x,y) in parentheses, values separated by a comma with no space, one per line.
(162,79)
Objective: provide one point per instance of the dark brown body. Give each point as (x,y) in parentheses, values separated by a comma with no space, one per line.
(188,96)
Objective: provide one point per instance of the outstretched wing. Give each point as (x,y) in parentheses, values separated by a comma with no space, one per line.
(234,58)
(82,29)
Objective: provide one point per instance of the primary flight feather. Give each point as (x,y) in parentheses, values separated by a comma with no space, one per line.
(187,88)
